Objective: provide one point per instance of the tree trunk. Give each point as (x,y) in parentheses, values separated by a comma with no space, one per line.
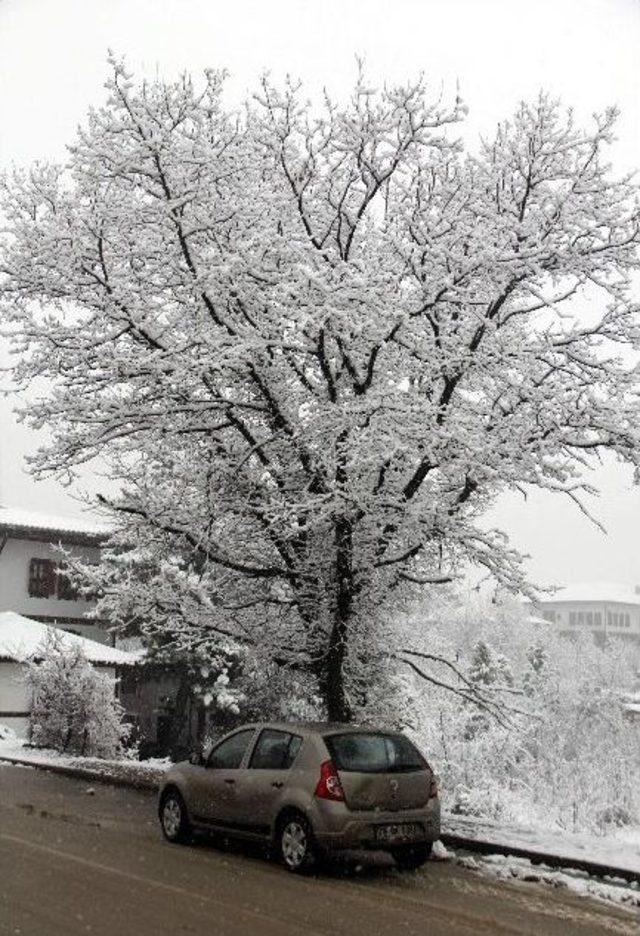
(333,681)
(335,696)
(179,743)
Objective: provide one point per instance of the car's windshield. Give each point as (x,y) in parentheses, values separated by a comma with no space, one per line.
(370,752)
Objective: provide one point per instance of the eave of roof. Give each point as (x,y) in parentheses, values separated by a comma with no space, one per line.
(21,639)
(592,593)
(31,525)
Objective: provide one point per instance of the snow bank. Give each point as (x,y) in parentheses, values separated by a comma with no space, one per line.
(621,850)
(149,770)
(505,867)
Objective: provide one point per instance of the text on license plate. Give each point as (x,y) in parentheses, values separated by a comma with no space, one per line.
(399,832)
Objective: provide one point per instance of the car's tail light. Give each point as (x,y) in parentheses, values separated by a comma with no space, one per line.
(433,787)
(329,786)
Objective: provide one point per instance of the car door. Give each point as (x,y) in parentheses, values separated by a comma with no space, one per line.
(267,774)
(217,794)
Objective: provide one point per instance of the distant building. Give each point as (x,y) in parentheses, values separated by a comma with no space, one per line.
(31,581)
(600,609)
(21,640)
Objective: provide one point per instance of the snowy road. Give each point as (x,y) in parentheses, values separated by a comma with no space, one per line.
(72,863)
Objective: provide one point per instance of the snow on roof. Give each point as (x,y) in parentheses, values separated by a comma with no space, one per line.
(607,592)
(21,638)
(17,517)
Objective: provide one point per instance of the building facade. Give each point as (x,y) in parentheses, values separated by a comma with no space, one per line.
(32,579)
(600,610)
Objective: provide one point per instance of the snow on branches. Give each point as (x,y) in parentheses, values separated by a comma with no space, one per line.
(313,344)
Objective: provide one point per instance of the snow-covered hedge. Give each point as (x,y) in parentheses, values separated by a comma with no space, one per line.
(74,708)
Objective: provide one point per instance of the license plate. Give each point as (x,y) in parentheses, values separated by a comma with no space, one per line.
(399,832)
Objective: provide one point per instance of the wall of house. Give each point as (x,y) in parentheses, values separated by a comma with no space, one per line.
(14,587)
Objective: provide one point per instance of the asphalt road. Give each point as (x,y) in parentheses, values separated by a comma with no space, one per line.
(76,863)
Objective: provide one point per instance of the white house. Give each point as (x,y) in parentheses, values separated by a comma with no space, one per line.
(20,641)
(30,579)
(595,609)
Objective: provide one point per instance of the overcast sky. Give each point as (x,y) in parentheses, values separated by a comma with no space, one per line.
(53,65)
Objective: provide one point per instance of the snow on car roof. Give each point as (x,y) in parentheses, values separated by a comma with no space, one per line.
(21,639)
(35,521)
(608,592)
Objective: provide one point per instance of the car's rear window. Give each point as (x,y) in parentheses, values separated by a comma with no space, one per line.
(373,752)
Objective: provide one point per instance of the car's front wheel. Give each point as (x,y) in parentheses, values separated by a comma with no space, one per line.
(411,857)
(295,843)
(173,818)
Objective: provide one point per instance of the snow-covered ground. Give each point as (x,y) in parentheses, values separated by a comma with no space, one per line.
(620,851)
(506,867)
(149,770)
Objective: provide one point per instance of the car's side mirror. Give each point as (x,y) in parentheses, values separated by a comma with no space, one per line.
(196,759)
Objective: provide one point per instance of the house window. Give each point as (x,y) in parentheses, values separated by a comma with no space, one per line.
(47,580)
(42,578)
(597,618)
(67,591)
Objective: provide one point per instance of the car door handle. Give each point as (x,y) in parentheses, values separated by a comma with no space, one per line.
(229,780)
(277,784)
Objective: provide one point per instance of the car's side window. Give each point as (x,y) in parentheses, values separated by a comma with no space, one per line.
(228,755)
(294,746)
(275,750)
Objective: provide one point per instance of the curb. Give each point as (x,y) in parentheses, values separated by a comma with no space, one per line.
(483,847)
(85,773)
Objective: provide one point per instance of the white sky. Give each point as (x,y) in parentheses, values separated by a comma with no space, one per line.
(52,67)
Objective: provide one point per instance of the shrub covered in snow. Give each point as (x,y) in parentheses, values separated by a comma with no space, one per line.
(74,707)
(571,760)
(7,734)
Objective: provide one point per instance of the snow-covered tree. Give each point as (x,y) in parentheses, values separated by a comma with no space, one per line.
(74,708)
(483,666)
(313,344)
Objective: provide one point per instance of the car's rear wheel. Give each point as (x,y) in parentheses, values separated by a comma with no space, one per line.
(295,843)
(174,819)
(410,857)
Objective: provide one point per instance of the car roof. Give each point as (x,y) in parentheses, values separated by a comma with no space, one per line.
(318,727)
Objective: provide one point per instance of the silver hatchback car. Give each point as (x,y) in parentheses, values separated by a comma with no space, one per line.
(308,790)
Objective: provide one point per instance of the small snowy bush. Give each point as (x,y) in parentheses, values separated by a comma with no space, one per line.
(7,734)
(74,708)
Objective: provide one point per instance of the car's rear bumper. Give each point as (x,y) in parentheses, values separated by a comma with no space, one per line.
(358,830)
